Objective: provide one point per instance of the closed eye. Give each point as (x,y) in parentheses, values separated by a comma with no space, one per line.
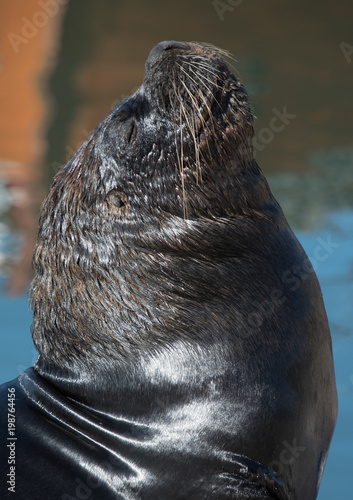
(132,131)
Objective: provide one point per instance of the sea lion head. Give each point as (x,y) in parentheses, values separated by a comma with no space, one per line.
(183,136)
(132,224)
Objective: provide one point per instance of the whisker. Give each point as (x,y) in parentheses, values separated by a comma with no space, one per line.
(206,103)
(192,130)
(200,60)
(180,156)
(217,50)
(210,70)
(200,116)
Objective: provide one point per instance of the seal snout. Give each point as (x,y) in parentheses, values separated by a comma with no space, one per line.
(191,86)
(161,47)
(170,44)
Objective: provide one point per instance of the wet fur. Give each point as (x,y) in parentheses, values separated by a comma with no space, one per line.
(172,191)
(162,275)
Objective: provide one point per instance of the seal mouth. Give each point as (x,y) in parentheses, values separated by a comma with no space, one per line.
(192,81)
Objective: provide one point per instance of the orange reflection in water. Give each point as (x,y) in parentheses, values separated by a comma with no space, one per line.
(29,33)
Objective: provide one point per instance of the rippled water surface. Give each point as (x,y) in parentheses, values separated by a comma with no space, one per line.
(296,59)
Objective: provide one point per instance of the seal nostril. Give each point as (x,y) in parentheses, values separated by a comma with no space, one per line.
(172,44)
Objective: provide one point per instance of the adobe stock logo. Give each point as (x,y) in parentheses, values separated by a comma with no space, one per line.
(277,124)
(289,454)
(347,51)
(30,27)
(222,7)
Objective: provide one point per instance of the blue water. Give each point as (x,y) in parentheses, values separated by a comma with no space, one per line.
(336,278)
(16,346)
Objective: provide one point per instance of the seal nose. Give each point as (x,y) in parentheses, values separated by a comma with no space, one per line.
(170,44)
(162,47)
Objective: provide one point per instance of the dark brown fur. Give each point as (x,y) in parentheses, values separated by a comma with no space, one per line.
(89,249)
(173,331)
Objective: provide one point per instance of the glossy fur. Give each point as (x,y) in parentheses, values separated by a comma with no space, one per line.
(184,349)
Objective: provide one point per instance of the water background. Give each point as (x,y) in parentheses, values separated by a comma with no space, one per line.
(295,59)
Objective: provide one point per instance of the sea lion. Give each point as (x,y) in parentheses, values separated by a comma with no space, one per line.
(182,352)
